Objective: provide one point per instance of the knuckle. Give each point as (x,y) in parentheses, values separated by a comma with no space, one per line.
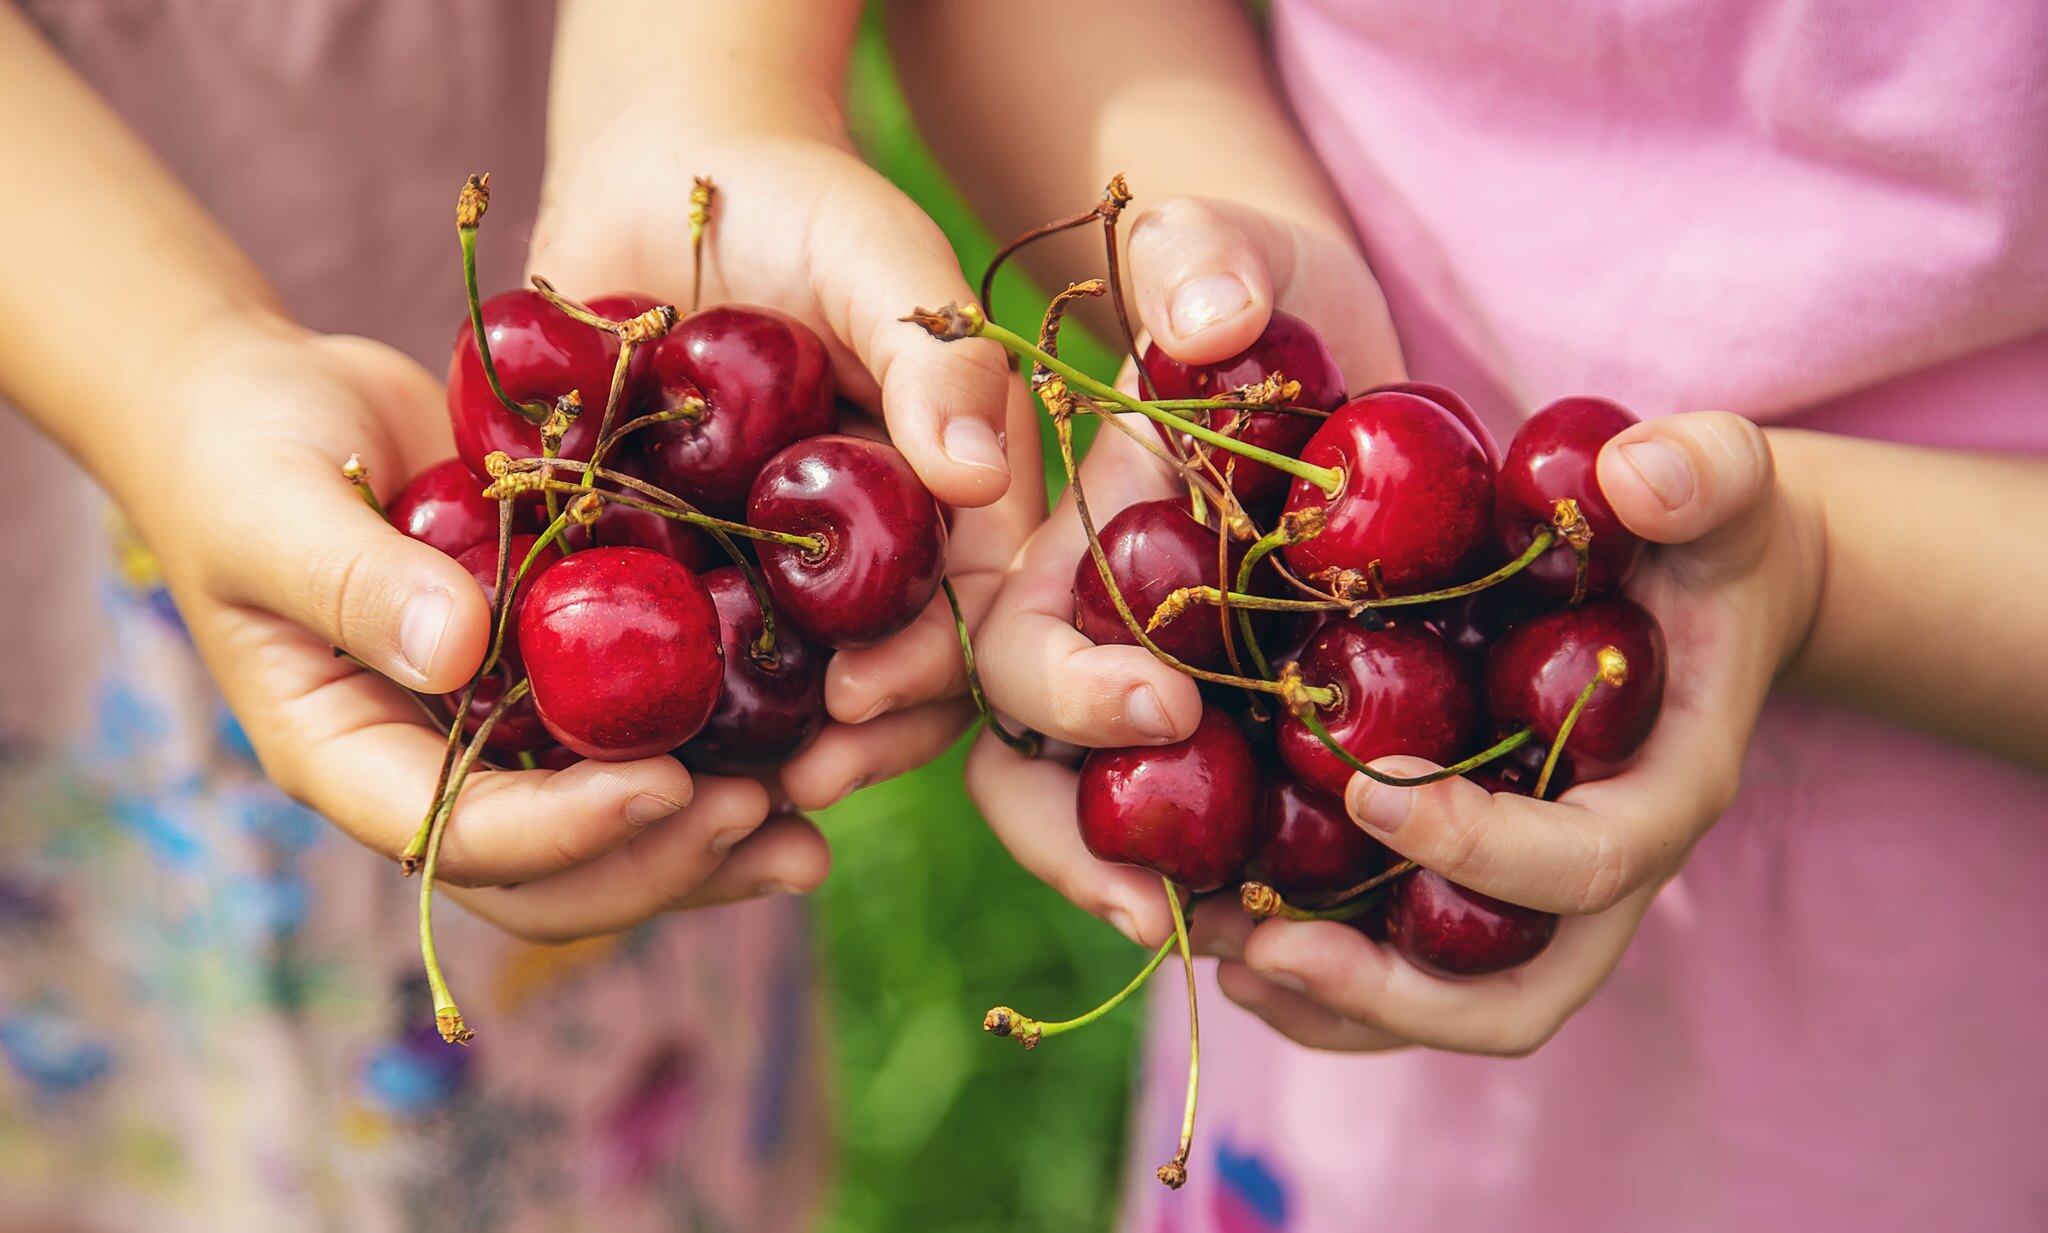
(336,583)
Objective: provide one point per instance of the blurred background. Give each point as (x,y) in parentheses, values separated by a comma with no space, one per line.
(926,922)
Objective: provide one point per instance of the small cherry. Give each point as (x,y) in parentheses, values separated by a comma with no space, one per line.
(766,382)
(883,544)
(765,712)
(444,506)
(1448,399)
(622,648)
(1154,548)
(1553,457)
(1472,623)
(1312,847)
(1538,669)
(541,353)
(1445,928)
(482,563)
(520,731)
(1403,691)
(1416,494)
(1188,811)
(1288,346)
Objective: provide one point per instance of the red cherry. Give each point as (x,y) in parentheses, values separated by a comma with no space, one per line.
(1312,847)
(1188,811)
(1554,455)
(1538,669)
(621,526)
(520,731)
(444,506)
(766,382)
(1404,691)
(482,563)
(541,353)
(765,714)
(555,758)
(622,647)
(1518,770)
(1289,346)
(1416,496)
(885,546)
(1153,548)
(1447,929)
(1472,623)
(1448,399)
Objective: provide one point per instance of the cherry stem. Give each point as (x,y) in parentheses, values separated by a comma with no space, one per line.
(1027,742)
(701,190)
(1499,749)
(1003,1021)
(1174,1173)
(446,1017)
(809,545)
(1612,670)
(1262,902)
(469,212)
(1260,549)
(1235,404)
(1115,196)
(1003,254)
(358,477)
(1198,487)
(553,534)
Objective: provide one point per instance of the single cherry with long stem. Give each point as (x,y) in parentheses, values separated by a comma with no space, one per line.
(1552,459)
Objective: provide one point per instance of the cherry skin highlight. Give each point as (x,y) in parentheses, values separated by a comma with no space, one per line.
(482,563)
(766,383)
(1313,848)
(1416,497)
(622,648)
(1403,691)
(1538,669)
(444,507)
(1447,929)
(1555,455)
(1188,811)
(541,354)
(1448,399)
(884,543)
(1154,548)
(765,712)
(1288,346)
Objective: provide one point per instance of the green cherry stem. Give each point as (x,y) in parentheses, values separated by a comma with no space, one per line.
(1262,902)
(1026,1031)
(358,477)
(1027,742)
(1174,1173)
(470,206)
(1499,749)
(810,545)
(1612,670)
(701,190)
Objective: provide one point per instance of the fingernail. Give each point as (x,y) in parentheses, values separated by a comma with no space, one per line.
(854,785)
(422,627)
(1123,922)
(1147,714)
(1285,979)
(972,443)
(650,807)
(725,840)
(1206,301)
(777,888)
(1663,468)
(882,706)
(1377,805)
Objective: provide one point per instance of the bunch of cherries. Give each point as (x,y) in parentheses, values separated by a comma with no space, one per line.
(671,534)
(1349,578)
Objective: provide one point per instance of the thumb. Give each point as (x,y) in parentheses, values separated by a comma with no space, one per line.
(1683,478)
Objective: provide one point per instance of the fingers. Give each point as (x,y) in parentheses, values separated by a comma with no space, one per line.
(1680,478)
(846,757)
(1208,273)
(1029,803)
(1299,1018)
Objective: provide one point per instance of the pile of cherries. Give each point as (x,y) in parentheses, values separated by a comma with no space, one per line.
(671,533)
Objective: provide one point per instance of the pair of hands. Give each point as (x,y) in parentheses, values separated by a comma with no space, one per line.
(1735,585)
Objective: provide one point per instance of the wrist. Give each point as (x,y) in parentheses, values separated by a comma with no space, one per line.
(1798,546)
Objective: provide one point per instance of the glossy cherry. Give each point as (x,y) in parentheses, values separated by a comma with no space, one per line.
(622,647)
(766,382)
(1312,847)
(1154,548)
(1188,811)
(541,353)
(1448,929)
(1288,346)
(444,506)
(1541,665)
(1416,497)
(1554,455)
(884,543)
(1445,397)
(765,712)
(1403,691)
(482,563)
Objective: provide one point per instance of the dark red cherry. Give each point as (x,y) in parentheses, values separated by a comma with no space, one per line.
(1403,691)
(623,306)
(1445,928)
(556,758)
(1472,623)
(766,382)
(885,546)
(1518,770)
(541,354)
(444,506)
(1312,847)
(1289,346)
(1188,811)
(765,712)
(520,731)
(621,526)
(1154,548)
(1416,497)
(1539,667)
(622,647)
(482,563)
(1448,399)
(1554,455)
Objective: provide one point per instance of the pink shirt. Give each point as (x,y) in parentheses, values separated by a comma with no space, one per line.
(1812,212)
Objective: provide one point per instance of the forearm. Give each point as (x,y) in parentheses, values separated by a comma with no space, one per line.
(109,273)
(1935,582)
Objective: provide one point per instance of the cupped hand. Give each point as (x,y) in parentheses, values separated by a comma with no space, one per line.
(801,224)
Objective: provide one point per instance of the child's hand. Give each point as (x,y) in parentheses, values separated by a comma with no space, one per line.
(274,560)
(801,224)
